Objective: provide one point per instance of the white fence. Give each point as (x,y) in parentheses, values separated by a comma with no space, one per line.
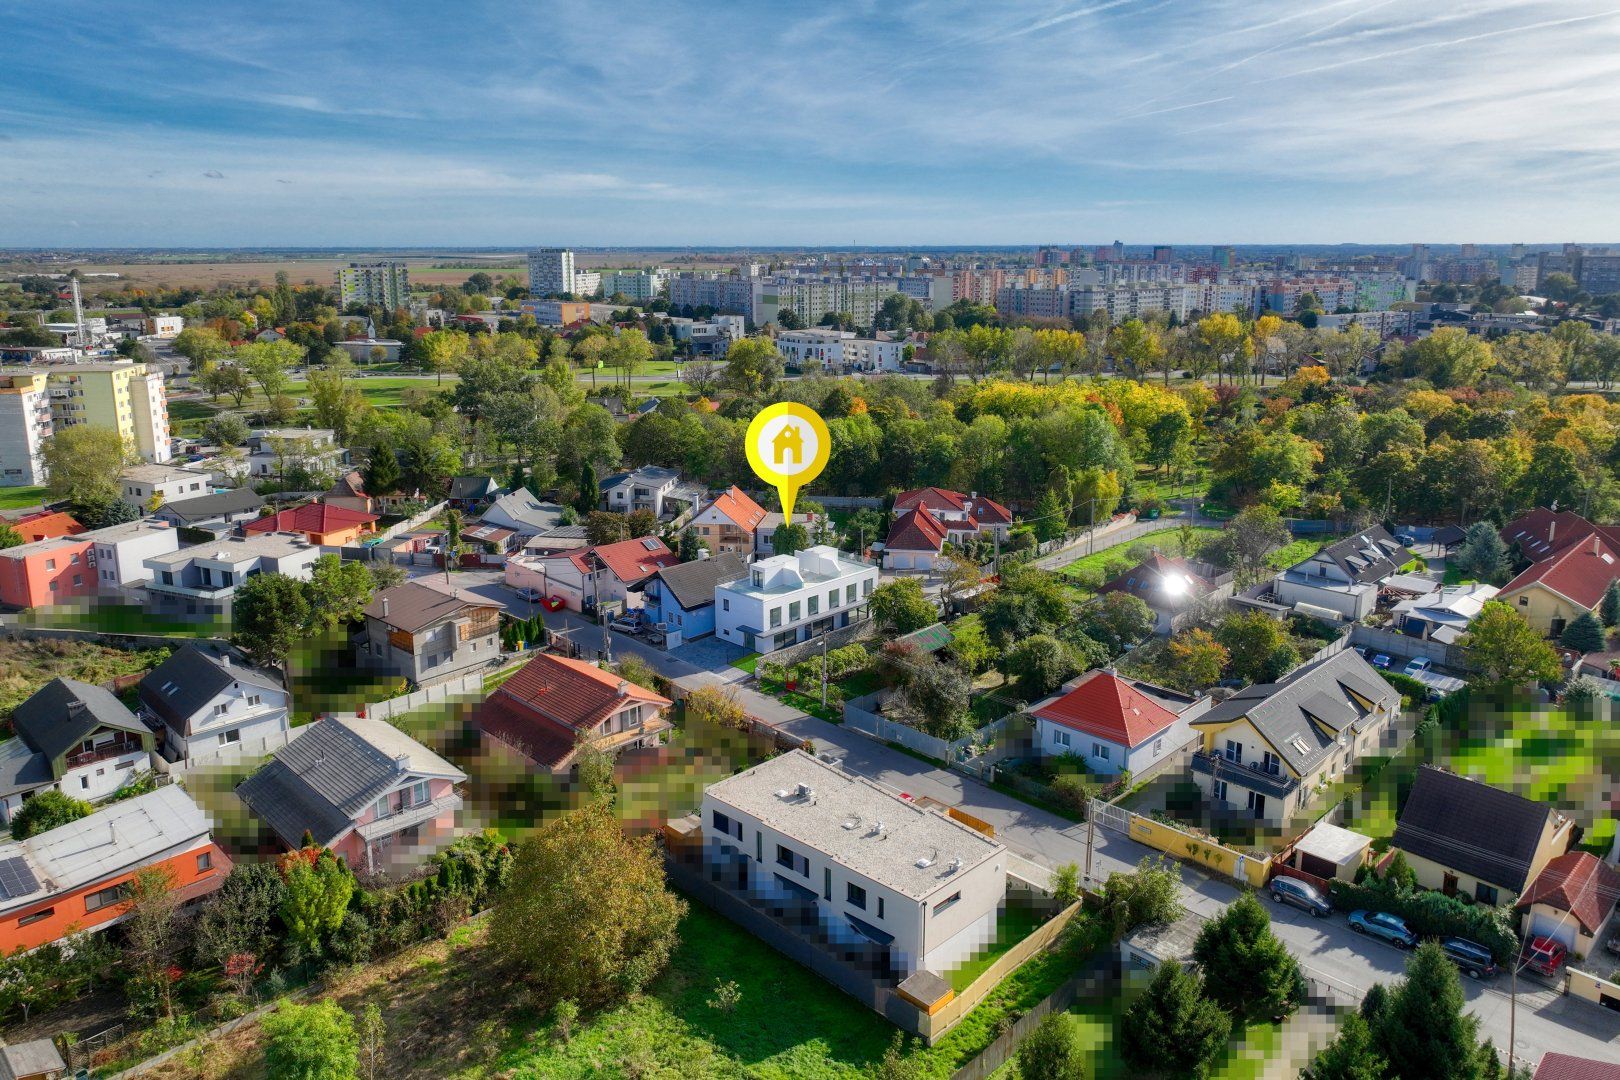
(861,715)
(410,523)
(465,688)
(247,749)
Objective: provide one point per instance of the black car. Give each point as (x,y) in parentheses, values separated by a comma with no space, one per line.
(1471,958)
(1302,894)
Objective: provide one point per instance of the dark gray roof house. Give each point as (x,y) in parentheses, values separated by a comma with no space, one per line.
(220,506)
(1480,830)
(691,584)
(28,1060)
(60,716)
(1370,555)
(468,489)
(176,690)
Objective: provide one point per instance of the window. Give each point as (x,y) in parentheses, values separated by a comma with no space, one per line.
(1524,601)
(832,599)
(849,593)
(786,856)
(947,902)
(205,861)
(39,916)
(84,783)
(50,564)
(826,883)
(1158,747)
(1060,738)
(1273,764)
(253,700)
(794,611)
(231,737)
(419,794)
(97,900)
(73,560)
(725,603)
(759,845)
(880,907)
(814,605)
(866,587)
(1485,894)
(222,708)
(1234,751)
(1099,751)
(380,808)
(725,826)
(776,617)
(1218,791)
(855,895)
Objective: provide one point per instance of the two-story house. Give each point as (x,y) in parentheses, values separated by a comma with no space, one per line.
(728,522)
(121,552)
(928,518)
(365,789)
(1271,747)
(679,600)
(1343,578)
(911,885)
(47,572)
(651,487)
(202,580)
(1115,724)
(141,484)
(76,738)
(587,578)
(421,633)
(554,706)
(272,451)
(1572,562)
(76,877)
(791,598)
(211,705)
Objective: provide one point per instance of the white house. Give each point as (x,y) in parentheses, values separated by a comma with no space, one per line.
(76,738)
(203,579)
(651,487)
(211,705)
(272,451)
(791,598)
(138,484)
(1343,578)
(875,868)
(1116,724)
(583,578)
(121,551)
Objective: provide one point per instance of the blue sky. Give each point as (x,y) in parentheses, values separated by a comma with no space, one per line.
(1181,121)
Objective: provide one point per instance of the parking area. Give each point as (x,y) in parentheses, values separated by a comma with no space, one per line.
(710,653)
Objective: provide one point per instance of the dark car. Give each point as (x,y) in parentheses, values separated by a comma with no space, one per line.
(1471,958)
(1301,894)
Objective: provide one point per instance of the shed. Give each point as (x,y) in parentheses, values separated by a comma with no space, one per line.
(1329,851)
(1146,947)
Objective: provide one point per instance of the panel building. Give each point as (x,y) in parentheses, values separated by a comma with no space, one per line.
(126,397)
(25,424)
(384,284)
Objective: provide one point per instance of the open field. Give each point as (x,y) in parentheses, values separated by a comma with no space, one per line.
(208,273)
(1166,540)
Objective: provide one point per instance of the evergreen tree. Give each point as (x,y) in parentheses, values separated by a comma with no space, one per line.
(382,471)
(1482,554)
(1584,635)
(1351,1056)
(1172,1028)
(585,502)
(1424,1030)
(1247,970)
(1609,609)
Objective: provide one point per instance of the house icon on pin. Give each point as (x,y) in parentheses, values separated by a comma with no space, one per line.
(788,441)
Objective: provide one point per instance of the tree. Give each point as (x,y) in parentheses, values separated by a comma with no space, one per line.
(1197,659)
(319,886)
(153,939)
(443,350)
(1482,554)
(586,914)
(226,429)
(373,1040)
(200,345)
(85,462)
(1423,1030)
(1450,356)
(1051,515)
(1056,1050)
(1150,895)
(1259,648)
(753,367)
(311,1042)
(970,644)
(607,527)
(338,591)
(1507,649)
(1609,607)
(789,538)
(1249,538)
(1247,969)
(1041,663)
(9,537)
(899,606)
(46,811)
(237,919)
(382,471)
(585,502)
(1119,619)
(1172,1028)
(1353,1055)
(268,364)
(270,614)
(931,696)
(1584,635)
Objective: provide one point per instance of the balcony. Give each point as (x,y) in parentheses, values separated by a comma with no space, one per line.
(1252,776)
(117,748)
(400,820)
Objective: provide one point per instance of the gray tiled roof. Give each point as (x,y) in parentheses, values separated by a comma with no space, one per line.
(63,712)
(203,507)
(1370,555)
(691,584)
(1478,829)
(196,674)
(34,1058)
(21,768)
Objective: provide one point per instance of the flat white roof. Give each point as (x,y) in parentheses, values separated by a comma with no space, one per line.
(840,815)
(1335,844)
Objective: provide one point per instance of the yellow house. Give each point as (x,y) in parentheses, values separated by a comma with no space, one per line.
(1269,749)
(1462,836)
(1572,564)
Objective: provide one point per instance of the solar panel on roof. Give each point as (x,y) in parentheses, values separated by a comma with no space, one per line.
(649,543)
(16,879)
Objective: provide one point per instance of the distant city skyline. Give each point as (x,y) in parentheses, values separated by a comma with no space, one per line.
(872,125)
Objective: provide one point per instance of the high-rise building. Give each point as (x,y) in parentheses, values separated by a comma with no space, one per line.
(1163,253)
(1223,257)
(125,397)
(25,424)
(635,284)
(551,270)
(1599,274)
(384,284)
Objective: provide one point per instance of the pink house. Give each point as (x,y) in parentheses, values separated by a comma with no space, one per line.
(375,796)
(47,572)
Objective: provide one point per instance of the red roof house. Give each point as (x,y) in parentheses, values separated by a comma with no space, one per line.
(728,523)
(1572,564)
(322,523)
(1572,899)
(928,517)
(46,525)
(953,506)
(1556,1066)
(634,561)
(1115,723)
(555,705)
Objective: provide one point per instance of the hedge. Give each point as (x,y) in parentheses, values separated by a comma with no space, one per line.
(1434,914)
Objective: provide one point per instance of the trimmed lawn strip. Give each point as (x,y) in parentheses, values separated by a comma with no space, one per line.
(21,498)
(1167,540)
(1017,922)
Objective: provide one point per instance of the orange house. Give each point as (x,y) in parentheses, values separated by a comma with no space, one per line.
(47,572)
(76,877)
(321,523)
(46,525)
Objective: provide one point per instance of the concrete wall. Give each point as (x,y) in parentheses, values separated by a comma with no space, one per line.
(804,650)
(861,715)
(1378,640)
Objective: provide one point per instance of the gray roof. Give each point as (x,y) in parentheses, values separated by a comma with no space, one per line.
(1472,827)
(64,712)
(413,606)
(180,686)
(521,510)
(1370,555)
(30,1059)
(656,475)
(692,583)
(333,770)
(235,501)
(21,768)
(473,487)
(1302,716)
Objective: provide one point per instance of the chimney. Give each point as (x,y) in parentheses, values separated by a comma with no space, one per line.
(621,688)
(1596,545)
(402,762)
(385,607)
(1552,530)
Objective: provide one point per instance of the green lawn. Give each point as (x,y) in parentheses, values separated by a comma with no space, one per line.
(1166,540)
(1296,552)
(21,498)
(1017,922)
(187,416)
(1455,576)
(746,663)
(124,619)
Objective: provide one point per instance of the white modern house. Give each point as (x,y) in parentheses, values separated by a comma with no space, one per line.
(791,598)
(121,551)
(140,483)
(201,580)
(210,704)
(272,451)
(1343,578)
(877,868)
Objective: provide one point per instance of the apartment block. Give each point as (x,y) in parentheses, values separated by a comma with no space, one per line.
(551,270)
(25,424)
(125,397)
(635,284)
(727,295)
(384,284)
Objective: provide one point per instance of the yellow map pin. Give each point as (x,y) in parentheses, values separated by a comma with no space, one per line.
(788,446)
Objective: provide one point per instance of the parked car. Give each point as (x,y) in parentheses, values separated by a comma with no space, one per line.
(1382,660)
(1417,667)
(627,624)
(1471,958)
(1301,894)
(1381,924)
(529,593)
(1545,956)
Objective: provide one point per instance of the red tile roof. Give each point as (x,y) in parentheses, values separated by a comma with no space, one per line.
(1580,572)
(552,699)
(1577,882)
(47,525)
(1556,1066)
(739,509)
(1542,532)
(916,530)
(633,560)
(310,518)
(977,508)
(1105,705)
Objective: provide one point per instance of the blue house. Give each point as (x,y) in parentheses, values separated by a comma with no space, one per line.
(680,599)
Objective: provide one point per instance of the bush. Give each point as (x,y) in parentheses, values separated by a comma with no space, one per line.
(1072,793)
(1410,688)
(1434,914)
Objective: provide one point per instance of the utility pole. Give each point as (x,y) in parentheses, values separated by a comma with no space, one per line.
(824,669)
(1091,838)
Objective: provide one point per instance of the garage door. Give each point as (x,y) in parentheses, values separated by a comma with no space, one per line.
(1561,931)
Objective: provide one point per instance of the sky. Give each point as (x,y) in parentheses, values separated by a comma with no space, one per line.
(738,123)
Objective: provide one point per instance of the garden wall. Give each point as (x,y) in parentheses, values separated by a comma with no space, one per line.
(465,688)
(844,635)
(1392,641)
(959,1006)
(1246,869)
(861,715)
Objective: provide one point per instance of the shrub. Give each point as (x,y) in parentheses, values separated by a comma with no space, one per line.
(1434,914)
(1072,793)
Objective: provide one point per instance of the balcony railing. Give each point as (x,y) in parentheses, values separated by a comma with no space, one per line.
(411,815)
(116,748)
(1252,776)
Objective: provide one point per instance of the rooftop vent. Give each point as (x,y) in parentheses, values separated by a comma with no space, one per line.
(804,791)
(853,822)
(928,860)
(877,829)
(956,864)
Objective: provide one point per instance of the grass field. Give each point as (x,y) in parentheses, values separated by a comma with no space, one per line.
(1295,552)
(1167,541)
(21,498)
